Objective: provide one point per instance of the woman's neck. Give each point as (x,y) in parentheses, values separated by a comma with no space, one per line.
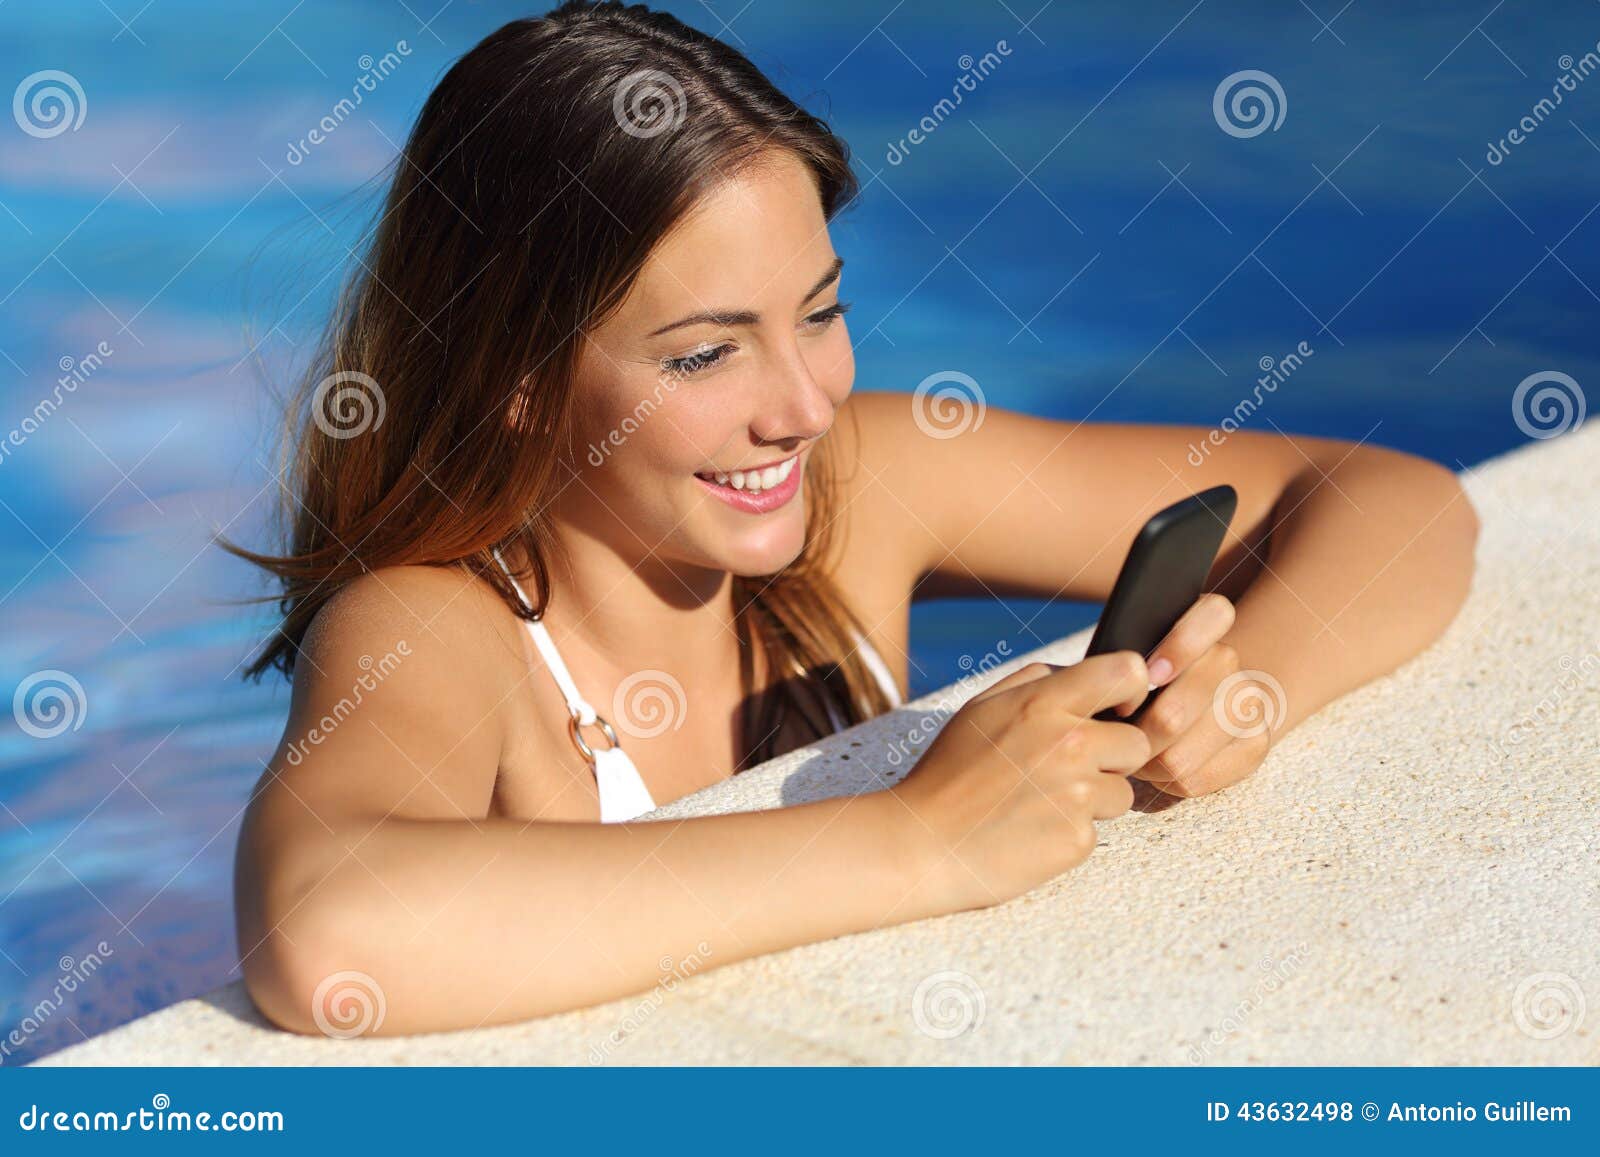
(639,613)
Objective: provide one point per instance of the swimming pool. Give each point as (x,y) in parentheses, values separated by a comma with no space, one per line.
(1080,235)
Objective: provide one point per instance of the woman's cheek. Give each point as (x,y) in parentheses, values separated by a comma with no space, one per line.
(708,411)
(835,368)
(616,426)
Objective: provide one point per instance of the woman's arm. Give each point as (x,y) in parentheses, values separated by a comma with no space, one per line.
(1342,560)
(368,847)
(1370,556)
(461,923)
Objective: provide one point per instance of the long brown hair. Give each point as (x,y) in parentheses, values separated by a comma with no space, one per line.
(492,256)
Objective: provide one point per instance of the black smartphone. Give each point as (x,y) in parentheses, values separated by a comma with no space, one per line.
(1163,575)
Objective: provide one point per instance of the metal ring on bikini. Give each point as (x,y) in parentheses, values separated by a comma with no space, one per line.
(577,735)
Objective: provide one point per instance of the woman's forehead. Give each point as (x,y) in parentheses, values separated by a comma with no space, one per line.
(757,236)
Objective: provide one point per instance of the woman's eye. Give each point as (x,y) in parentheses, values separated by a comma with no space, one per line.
(702,360)
(825,317)
(695,362)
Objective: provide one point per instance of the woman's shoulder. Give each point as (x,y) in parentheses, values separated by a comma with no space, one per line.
(442,609)
(439,640)
(396,704)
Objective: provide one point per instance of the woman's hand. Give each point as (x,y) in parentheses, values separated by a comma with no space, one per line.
(1198,742)
(1011,787)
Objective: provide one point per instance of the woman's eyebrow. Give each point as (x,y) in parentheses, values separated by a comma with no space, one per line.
(745,316)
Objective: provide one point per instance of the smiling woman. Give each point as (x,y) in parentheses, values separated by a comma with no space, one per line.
(484,338)
(609,230)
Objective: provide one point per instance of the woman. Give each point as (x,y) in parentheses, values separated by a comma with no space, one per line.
(582,426)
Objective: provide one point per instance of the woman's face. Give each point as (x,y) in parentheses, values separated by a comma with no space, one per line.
(730,353)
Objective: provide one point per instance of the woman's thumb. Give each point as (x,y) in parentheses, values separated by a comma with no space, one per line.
(1030,673)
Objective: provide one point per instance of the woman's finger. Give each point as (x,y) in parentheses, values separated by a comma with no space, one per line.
(1202,625)
(1236,759)
(1186,702)
(1186,763)
(1113,797)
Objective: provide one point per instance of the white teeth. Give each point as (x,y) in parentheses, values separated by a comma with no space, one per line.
(756,481)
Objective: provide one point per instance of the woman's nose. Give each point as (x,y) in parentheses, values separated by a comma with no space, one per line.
(794,406)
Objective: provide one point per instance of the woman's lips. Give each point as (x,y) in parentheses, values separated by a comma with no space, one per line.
(757,501)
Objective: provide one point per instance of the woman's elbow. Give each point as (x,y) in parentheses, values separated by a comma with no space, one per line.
(316,971)
(299,980)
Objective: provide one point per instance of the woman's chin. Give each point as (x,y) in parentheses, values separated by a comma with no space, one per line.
(764,549)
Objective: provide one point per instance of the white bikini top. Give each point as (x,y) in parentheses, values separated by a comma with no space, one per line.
(623,794)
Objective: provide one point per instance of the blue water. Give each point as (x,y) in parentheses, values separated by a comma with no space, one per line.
(170,220)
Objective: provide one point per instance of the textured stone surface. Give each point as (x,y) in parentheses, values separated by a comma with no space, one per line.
(1413,876)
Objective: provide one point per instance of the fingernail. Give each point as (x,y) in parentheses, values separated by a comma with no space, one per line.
(1160,671)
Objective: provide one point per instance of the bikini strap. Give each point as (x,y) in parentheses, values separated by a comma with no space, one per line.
(582,710)
(622,791)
